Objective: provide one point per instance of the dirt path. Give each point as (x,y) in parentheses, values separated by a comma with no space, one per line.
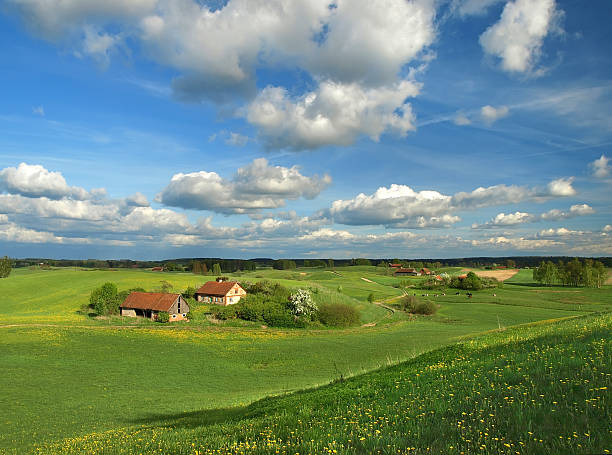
(365,279)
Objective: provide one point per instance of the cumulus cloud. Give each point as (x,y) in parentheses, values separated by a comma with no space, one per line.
(254,187)
(401,206)
(461,120)
(559,232)
(356,53)
(505,220)
(490,114)
(520,243)
(335,113)
(574,211)
(237,140)
(518,36)
(561,187)
(35,181)
(517,218)
(601,167)
(472,7)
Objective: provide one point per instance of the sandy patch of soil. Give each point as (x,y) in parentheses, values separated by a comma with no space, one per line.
(500,275)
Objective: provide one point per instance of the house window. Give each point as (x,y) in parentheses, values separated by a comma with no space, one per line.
(184,315)
(174,316)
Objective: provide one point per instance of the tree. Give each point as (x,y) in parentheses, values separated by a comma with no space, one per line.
(166,286)
(472,282)
(216,270)
(301,303)
(104,300)
(196,268)
(510,264)
(205,268)
(330,263)
(371,298)
(6,266)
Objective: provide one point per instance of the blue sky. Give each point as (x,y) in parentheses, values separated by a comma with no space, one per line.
(154,128)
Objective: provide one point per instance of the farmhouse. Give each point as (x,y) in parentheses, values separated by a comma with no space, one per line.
(425,271)
(403,271)
(150,304)
(220,292)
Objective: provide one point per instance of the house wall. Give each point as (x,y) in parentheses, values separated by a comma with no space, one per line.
(128,312)
(174,313)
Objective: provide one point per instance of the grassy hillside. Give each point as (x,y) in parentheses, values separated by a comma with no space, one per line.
(538,389)
(65,375)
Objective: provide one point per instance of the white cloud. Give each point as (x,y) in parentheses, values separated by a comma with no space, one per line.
(491,114)
(237,140)
(520,243)
(38,110)
(35,181)
(561,187)
(559,232)
(574,211)
(505,220)
(601,167)
(356,52)
(335,113)
(461,120)
(473,7)
(607,228)
(518,36)
(401,206)
(396,204)
(256,186)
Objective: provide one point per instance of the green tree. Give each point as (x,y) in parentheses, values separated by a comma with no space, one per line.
(163,317)
(472,282)
(371,298)
(196,268)
(6,266)
(205,269)
(330,263)
(104,300)
(216,270)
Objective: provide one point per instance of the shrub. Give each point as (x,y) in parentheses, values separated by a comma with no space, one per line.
(163,317)
(412,305)
(426,307)
(189,292)
(5,267)
(104,300)
(338,315)
(371,298)
(251,307)
(301,303)
(276,315)
(223,313)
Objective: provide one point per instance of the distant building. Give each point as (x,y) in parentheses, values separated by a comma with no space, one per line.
(425,271)
(157,269)
(395,265)
(409,272)
(220,292)
(150,304)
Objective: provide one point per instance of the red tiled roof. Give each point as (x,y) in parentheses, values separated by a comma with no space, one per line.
(426,270)
(150,301)
(401,270)
(462,277)
(216,288)
(396,265)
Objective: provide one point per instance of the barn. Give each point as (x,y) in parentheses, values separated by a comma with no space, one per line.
(220,292)
(406,271)
(150,304)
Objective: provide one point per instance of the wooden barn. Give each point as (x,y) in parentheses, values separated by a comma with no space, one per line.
(150,304)
(408,272)
(220,292)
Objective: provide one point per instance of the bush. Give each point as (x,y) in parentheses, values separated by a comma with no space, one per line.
(412,305)
(338,315)
(223,313)
(301,304)
(104,300)
(251,308)
(163,317)
(5,267)
(276,315)
(427,307)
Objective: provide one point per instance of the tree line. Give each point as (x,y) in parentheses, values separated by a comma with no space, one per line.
(588,273)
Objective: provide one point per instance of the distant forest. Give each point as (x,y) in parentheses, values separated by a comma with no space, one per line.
(234,265)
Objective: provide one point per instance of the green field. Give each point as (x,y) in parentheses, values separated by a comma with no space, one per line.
(66,375)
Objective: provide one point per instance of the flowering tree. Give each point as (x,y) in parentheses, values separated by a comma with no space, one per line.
(301,304)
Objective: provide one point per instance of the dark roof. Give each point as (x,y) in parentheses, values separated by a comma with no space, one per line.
(150,301)
(216,288)
(402,270)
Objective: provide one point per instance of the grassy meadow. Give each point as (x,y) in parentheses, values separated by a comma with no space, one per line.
(73,383)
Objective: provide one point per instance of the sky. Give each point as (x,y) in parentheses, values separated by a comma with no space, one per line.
(151,129)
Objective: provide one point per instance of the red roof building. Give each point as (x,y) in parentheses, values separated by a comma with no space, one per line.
(220,292)
(409,271)
(150,304)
